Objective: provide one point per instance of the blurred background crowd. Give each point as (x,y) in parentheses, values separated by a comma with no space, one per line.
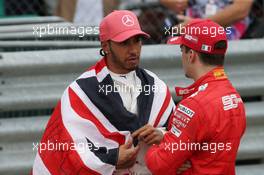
(37,63)
(244,16)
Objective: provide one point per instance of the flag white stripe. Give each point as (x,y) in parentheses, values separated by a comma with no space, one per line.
(87,74)
(80,128)
(166,113)
(158,99)
(94,110)
(91,73)
(39,167)
(102,74)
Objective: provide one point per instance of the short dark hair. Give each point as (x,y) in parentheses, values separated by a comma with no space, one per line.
(212,59)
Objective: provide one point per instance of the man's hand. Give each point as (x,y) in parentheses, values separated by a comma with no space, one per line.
(127,155)
(148,134)
(184,167)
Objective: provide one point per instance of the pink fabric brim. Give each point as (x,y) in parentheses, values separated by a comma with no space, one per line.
(128,34)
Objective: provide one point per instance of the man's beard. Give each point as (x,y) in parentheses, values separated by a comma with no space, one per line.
(118,61)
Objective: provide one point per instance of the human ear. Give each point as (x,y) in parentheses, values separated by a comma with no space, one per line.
(105,47)
(192,56)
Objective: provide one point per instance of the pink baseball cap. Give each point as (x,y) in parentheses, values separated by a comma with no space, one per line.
(120,25)
(201,35)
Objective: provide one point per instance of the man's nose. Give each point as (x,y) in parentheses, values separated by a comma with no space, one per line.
(134,47)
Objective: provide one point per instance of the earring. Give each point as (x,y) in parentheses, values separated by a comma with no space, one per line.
(102,52)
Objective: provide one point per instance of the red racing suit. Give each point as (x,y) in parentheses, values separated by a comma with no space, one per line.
(205,128)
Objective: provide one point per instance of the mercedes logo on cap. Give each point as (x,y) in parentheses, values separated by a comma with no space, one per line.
(127,20)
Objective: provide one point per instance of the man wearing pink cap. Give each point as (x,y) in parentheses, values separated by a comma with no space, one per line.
(90,129)
(207,125)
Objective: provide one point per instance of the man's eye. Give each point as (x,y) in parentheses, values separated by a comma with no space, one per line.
(138,39)
(124,43)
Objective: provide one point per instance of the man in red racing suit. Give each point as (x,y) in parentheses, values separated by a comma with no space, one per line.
(207,125)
